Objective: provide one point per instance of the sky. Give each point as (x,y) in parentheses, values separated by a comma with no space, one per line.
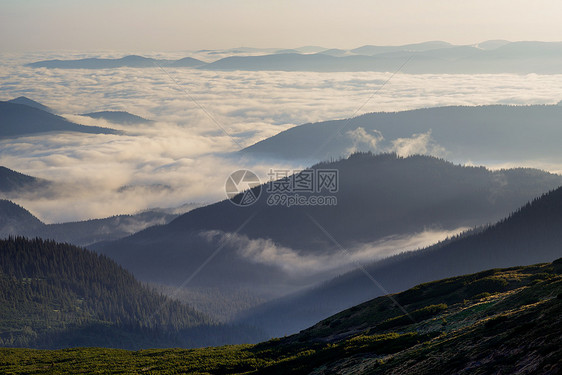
(173,25)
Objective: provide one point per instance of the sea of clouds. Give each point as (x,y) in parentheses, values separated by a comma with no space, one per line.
(201,118)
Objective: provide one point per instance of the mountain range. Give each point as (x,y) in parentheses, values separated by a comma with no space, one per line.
(434,57)
(384,203)
(118,117)
(115,117)
(131,61)
(370,50)
(482,134)
(431,57)
(529,235)
(22,119)
(415,264)
(17,221)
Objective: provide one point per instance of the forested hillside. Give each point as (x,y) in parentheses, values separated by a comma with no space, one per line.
(57,295)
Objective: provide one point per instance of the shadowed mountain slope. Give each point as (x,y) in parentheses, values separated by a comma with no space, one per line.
(531,234)
(19,119)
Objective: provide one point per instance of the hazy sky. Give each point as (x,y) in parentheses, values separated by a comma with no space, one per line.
(140,25)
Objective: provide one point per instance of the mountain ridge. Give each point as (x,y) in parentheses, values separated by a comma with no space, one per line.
(132,61)
(31,103)
(504,244)
(117,117)
(429,57)
(17,221)
(12,181)
(22,120)
(505,133)
(514,57)
(250,247)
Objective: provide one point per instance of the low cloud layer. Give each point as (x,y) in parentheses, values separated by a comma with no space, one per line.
(184,149)
(97,176)
(259,104)
(265,251)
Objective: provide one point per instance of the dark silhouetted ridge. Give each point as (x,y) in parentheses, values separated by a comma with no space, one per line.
(20,119)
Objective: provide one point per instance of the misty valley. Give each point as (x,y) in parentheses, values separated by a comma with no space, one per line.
(387,209)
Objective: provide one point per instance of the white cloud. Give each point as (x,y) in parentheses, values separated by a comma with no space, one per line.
(421,144)
(266,251)
(363,140)
(183,147)
(90,171)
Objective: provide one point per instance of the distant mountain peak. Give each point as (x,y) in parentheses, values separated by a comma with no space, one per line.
(15,182)
(21,119)
(117,117)
(492,44)
(134,57)
(129,61)
(31,103)
(16,219)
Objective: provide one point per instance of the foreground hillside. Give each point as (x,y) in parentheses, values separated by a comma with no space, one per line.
(505,321)
(57,295)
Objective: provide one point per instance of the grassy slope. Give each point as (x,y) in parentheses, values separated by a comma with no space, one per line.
(507,320)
